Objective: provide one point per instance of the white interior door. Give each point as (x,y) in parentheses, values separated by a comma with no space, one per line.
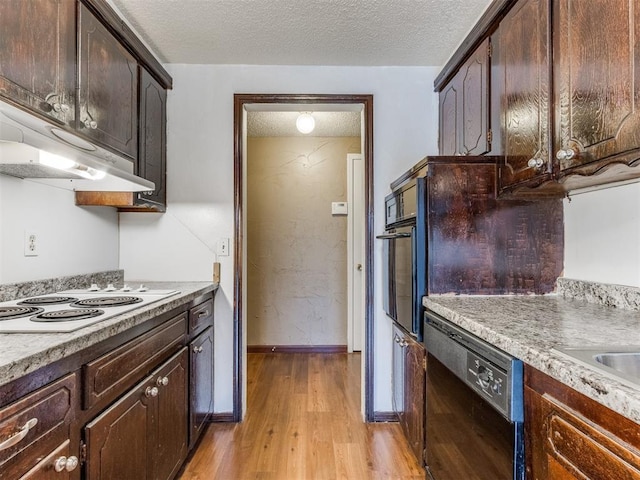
(355,252)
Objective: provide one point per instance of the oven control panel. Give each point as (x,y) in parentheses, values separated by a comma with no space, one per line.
(486,378)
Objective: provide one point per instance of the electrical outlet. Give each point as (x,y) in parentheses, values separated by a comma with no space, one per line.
(30,244)
(223,247)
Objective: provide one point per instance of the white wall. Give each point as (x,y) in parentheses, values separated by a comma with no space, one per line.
(71,240)
(602,236)
(180,244)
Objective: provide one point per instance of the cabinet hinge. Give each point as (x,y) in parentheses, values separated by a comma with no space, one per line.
(424,363)
(83,452)
(489,137)
(489,50)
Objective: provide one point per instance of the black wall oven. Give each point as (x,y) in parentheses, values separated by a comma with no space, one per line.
(404,256)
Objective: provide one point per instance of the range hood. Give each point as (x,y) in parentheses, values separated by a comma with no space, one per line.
(33,149)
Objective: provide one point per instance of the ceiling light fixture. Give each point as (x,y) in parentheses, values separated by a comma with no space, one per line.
(305,123)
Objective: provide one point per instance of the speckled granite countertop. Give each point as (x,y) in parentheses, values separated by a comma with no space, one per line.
(529,327)
(22,353)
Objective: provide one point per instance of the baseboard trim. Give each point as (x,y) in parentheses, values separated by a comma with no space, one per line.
(296,349)
(384,417)
(223,417)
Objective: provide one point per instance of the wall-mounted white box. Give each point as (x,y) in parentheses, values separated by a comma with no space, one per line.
(339,208)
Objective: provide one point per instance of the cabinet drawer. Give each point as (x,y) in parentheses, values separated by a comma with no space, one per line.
(201,316)
(110,375)
(39,423)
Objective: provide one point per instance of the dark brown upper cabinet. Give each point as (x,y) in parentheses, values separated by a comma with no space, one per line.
(569,96)
(597,86)
(38,56)
(152,155)
(590,89)
(108,88)
(524,85)
(152,152)
(464,107)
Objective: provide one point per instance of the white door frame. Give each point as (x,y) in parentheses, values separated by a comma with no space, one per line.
(355,252)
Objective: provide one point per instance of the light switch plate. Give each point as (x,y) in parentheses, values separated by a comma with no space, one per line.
(222,249)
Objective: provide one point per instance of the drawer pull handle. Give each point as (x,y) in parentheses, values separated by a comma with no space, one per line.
(162,381)
(63,463)
(203,314)
(14,439)
(151,392)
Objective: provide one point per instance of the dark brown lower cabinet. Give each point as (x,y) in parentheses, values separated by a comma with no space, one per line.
(143,434)
(569,436)
(409,378)
(201,383)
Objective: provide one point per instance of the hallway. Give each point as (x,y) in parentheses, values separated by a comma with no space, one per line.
(303,422)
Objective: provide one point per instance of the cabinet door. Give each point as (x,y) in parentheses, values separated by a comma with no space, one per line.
(201,351)
(397,373)
(414,396)
(170,418)
(525,81)
(570,436)
(119,441)
(464,107)
(448,100)
(38,56)
(474,116)
(108,88)
(597,56)
(152,150)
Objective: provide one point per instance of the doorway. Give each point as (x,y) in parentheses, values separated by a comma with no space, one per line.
(241,103)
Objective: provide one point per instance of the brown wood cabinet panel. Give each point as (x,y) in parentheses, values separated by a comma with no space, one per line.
(597,57)
(171,436)
(570,436)
(485,245)
(201,316)
(412,418)
(152,149)
(525,86)
(201,383)
(464,107)
(120,440)
(144,434)
(108,88)
(45,469)
(110,375)
(448,100)
(38,56)
(53,407)
(475,125)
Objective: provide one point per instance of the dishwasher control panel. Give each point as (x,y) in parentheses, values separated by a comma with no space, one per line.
(489,380)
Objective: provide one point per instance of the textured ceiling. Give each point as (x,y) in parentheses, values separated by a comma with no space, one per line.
(303,32)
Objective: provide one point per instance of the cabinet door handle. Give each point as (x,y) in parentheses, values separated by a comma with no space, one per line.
(565,154)
(197,349)
(14,439)
(151,392)
(162,381)
(64,463)
(535,163)
(203,314)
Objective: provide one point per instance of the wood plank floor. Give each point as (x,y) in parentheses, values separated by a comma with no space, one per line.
(303,422)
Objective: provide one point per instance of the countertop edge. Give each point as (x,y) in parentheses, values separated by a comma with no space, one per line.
(57,346)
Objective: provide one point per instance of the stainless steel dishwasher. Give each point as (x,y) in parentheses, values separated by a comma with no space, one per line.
(474,419)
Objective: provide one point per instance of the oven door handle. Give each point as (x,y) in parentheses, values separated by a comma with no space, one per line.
(391,236)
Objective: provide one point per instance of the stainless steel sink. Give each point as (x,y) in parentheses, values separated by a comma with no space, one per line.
(625,362)
(621,362)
